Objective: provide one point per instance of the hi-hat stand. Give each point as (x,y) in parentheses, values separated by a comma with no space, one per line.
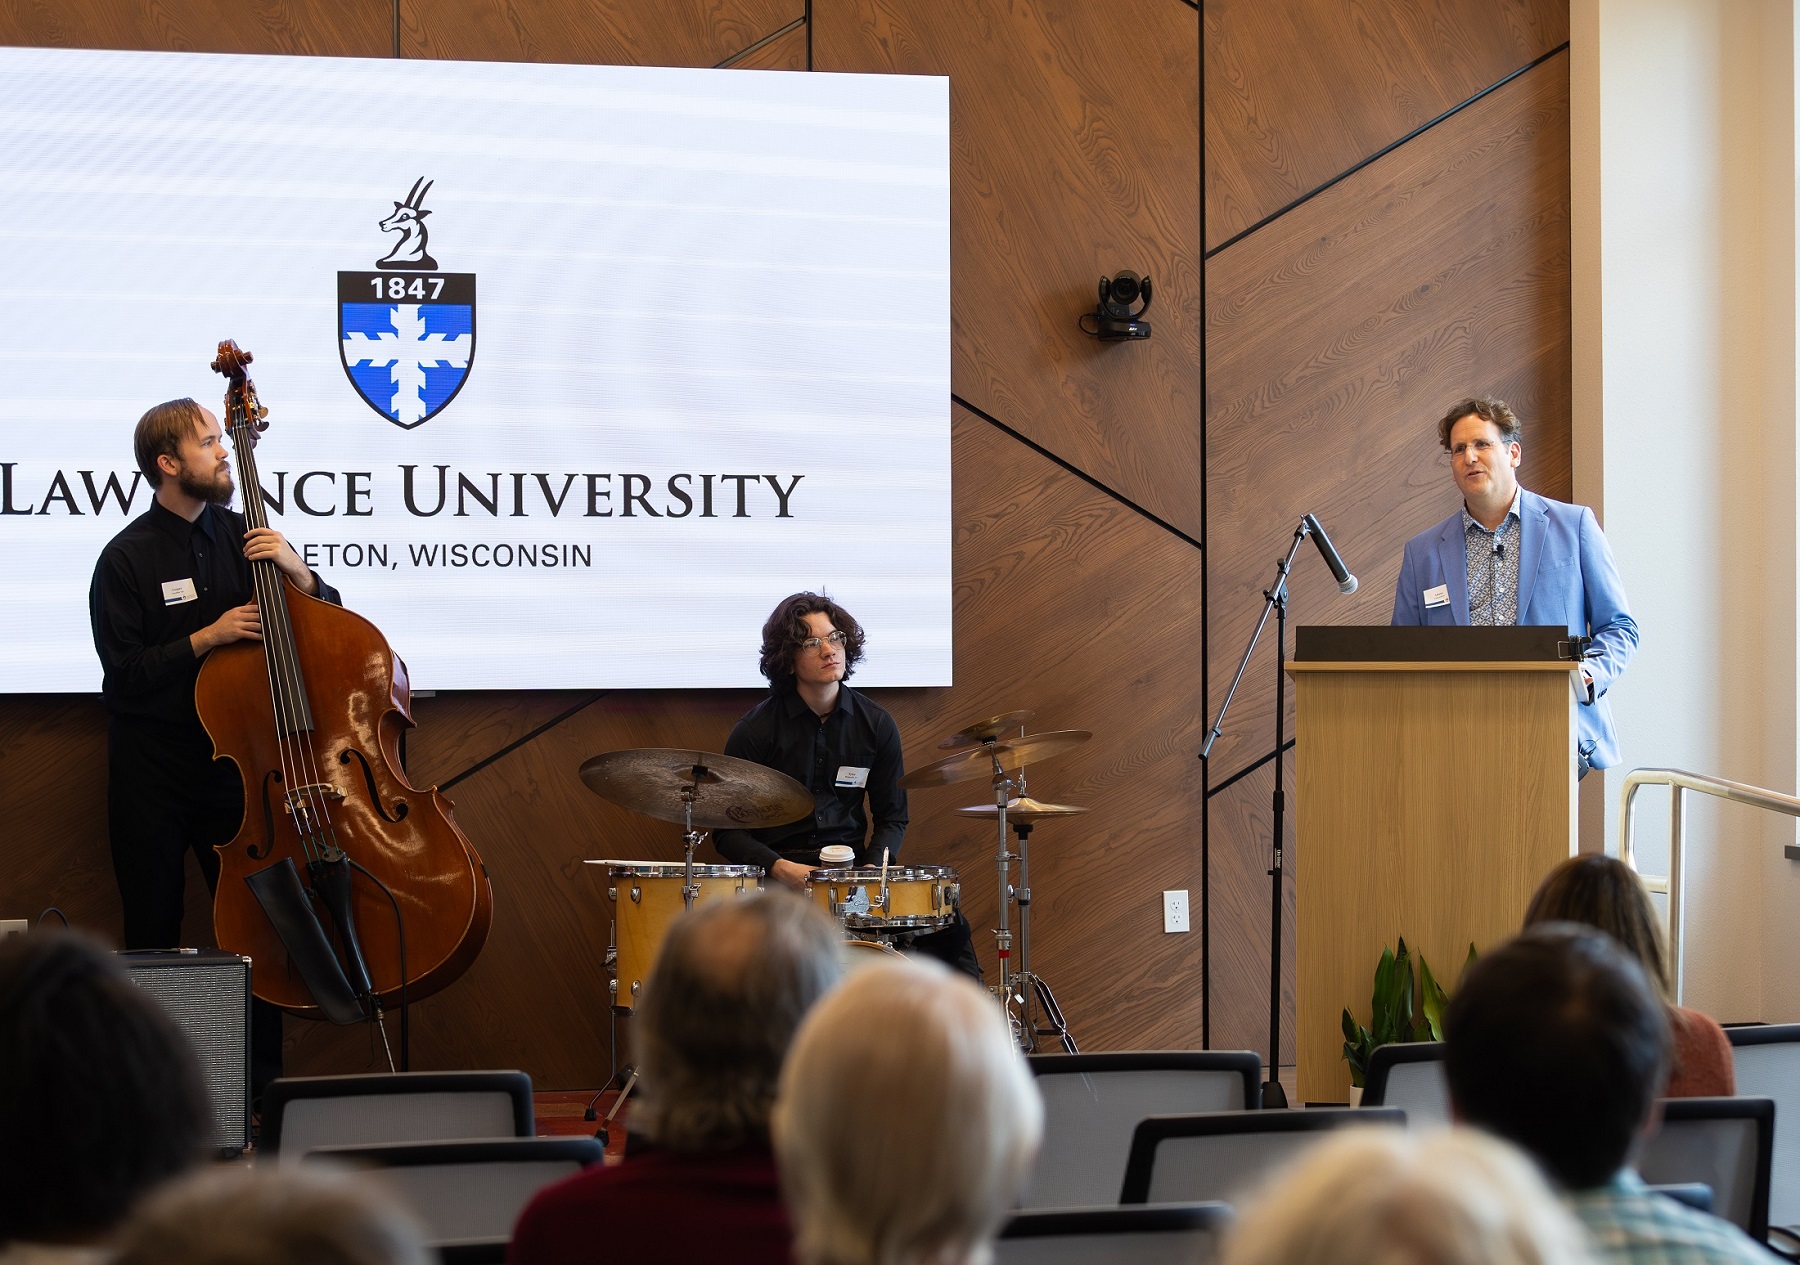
(1022,992)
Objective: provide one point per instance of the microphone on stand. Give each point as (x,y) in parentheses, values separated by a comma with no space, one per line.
(1339,572)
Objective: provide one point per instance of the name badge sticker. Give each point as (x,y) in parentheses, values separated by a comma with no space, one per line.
(847,776)
(1440,596)
(176,592)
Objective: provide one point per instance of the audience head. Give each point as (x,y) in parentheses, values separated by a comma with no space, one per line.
(1384,1196)
(729,987)
(100,1094)
(1598,891)
(907,1121)
(272,1216)
(1557,1041)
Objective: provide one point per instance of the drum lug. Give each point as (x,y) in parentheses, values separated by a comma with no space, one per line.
(612,986)
(635,985)
(955,895)
(612,894)
(637,894)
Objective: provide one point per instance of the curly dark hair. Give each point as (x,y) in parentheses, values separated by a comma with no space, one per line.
(85,1055)
(1487,409)
(785,631)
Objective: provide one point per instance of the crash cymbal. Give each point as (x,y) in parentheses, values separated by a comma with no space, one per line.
(982,730)
(727,792)
(1026,809)
(972,764)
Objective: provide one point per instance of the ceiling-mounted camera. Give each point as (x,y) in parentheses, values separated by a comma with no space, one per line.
(1114,316)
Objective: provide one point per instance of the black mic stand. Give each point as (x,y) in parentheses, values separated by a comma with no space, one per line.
(1275,598)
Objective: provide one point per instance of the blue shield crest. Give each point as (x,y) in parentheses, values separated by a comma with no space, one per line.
(407,340)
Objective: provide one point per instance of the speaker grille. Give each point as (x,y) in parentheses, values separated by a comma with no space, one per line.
(207,993)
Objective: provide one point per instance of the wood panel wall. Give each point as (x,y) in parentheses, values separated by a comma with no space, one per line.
(1356,288)
(1078,500)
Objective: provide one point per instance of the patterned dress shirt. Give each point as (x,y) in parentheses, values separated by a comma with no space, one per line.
(1630,1224)
(1493,567)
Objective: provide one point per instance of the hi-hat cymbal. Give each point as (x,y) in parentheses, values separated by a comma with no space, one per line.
(1026,809)
(982,730)
(972,763)
(727,792)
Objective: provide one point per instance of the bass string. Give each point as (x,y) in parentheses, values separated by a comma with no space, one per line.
(286,690)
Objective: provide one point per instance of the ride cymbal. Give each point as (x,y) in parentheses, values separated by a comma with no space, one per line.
(727,792)
(1026,809)
(974,763)
(982,730)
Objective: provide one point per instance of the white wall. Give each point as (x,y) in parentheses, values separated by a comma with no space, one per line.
(1683,139)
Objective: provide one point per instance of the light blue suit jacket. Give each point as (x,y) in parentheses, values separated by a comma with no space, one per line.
(1566,577)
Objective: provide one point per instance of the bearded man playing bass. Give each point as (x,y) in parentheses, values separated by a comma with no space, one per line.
(174,585)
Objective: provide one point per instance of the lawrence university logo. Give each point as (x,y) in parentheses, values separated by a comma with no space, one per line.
(406,332)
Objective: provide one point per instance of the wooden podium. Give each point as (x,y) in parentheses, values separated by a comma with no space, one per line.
(1435,786)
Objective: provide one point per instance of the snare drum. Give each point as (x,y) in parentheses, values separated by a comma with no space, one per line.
(647,898)
(919,897)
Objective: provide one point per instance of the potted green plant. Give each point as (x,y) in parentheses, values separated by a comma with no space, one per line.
(1391,1011)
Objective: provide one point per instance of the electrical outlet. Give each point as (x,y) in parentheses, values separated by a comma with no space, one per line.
(14,927)
(1175,911)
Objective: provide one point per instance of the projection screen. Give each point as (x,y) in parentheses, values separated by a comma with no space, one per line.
(573,371)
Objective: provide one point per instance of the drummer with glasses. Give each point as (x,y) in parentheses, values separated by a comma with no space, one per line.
(839,744)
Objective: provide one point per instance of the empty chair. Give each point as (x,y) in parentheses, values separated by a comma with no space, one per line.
(1092,1102)
(303,1112)
(1410,1076)
(1724,1143)
(1766,1062)
(1168,1234)
(1226,1155)
(468,1194)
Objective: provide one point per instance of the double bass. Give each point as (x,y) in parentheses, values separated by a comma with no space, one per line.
(346,886)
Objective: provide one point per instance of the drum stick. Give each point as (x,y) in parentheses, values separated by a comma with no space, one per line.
(884,865)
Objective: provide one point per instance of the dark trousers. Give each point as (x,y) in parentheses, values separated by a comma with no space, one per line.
(166,797)
(954,946)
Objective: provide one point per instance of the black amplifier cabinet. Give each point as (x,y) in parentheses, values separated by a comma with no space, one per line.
(207,993)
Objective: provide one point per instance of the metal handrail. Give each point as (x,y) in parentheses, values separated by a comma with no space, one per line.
(1678,781)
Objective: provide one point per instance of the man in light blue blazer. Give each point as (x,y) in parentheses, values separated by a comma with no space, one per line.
(1513,557)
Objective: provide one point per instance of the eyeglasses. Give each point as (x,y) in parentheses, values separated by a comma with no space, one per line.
(1480,447)
(836,638)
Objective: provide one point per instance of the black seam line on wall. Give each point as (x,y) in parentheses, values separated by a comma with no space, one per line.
(764,42)
(809,30)
(1205,623)
(1385,150)
(1078,472)
(516,743)
(1247,770)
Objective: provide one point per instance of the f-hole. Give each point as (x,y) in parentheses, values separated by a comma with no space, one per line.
(273,775)
(400,806)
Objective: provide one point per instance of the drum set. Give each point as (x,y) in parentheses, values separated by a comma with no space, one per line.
(876,906)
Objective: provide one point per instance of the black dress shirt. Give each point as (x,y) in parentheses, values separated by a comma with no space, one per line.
(141,627)
(783,733)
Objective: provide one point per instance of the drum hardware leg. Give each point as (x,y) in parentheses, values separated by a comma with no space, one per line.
(1022,894)
(1003,786)
(689,891)
(381,1027)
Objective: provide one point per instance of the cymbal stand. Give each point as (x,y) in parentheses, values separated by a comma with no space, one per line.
(690,838)
(1033,991)
(1003,936)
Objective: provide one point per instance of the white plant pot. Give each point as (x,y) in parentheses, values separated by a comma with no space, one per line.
(1356,1095)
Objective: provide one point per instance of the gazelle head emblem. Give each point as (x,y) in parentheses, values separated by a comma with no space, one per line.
(408,220)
